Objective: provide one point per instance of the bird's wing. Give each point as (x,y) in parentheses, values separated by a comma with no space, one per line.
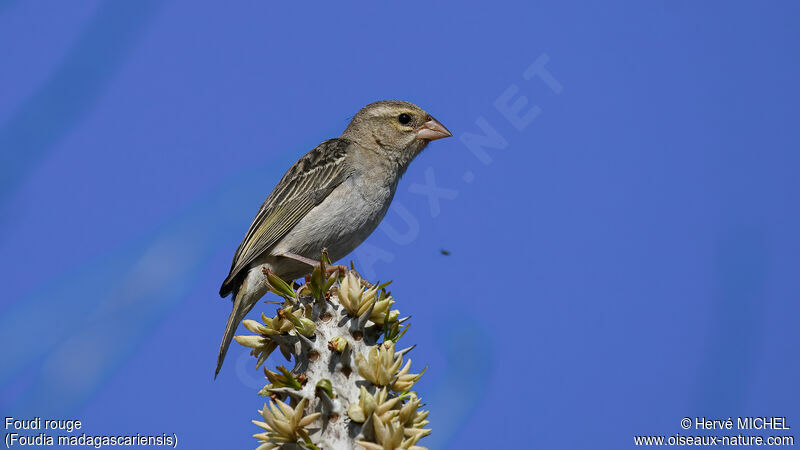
(303,187)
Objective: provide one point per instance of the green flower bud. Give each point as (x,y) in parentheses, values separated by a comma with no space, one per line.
(325,386)
(278,286)
(337,344)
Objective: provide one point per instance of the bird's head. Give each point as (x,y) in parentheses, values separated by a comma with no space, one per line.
(395,128)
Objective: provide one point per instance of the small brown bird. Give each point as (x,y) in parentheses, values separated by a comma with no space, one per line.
(333,197)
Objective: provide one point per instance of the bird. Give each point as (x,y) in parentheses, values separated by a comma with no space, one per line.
(332,198)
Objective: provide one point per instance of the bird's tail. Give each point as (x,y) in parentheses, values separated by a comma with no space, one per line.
(242,304)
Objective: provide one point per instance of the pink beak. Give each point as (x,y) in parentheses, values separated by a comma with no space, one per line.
(432,130)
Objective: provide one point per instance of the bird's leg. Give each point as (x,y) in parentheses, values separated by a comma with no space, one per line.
(314,263)
(329,269)
(302,259)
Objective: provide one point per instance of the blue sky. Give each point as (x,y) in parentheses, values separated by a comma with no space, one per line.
(623,258)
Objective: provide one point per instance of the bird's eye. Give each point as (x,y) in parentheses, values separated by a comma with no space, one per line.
(404,118)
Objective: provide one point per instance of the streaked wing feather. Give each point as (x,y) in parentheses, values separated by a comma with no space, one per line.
(303,187)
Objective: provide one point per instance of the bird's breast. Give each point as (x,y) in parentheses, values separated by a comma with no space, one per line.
(342,221)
